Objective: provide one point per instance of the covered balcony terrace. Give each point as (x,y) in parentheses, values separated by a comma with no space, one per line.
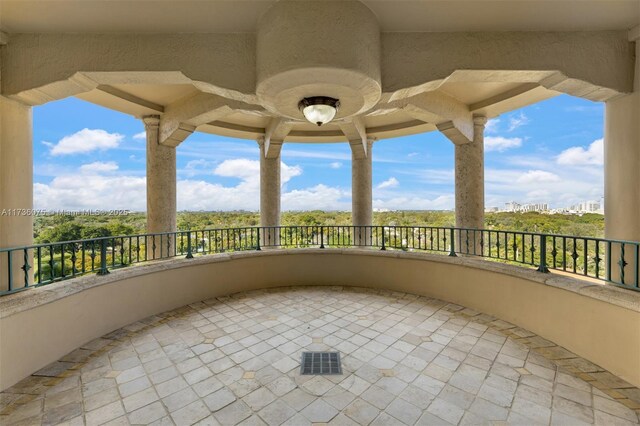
(431,325)
(406,359)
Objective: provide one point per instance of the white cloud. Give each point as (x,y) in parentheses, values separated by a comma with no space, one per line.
(335,165)
(500,144)
(197,167)
(560,188)
(412,202)
(140,136)
(93,191)
(578,156)
(518,121)
(541,195)
(538,176)
(492,125)
(100,188)
(202,195)
(99,167)
(249,170)
(389,183)
(319,197)
(86,140)
(241,168)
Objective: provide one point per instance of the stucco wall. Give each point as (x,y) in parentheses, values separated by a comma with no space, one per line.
(225,61)
(225,64)
(602,59)
(598,323)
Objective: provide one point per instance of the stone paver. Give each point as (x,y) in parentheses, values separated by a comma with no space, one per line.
(406,360)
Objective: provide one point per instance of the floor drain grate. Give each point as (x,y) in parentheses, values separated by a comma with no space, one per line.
(320,363)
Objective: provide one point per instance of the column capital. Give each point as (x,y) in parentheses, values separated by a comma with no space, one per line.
(271,147)
(151,120)
(479,120)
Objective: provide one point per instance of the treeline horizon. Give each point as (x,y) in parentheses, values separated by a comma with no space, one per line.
(54,228)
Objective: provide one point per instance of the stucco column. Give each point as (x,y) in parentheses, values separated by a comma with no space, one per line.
(16,190)
(161,191)
(469,188)
(269,194)
(622,171)
(361,192)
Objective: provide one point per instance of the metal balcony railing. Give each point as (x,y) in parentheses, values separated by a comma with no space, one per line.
(612,261)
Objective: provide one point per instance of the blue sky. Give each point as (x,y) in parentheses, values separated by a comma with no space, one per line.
(89,157)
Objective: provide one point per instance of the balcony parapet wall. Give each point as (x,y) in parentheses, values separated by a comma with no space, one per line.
(600,323)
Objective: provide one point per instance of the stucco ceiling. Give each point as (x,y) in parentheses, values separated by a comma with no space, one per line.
(198,16)
(234,83)
(139,100)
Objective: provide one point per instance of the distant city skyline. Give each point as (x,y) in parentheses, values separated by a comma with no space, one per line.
(89,157)
(588,206)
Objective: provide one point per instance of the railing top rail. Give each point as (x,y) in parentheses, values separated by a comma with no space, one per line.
(118,237)
(240,228)
(614,261)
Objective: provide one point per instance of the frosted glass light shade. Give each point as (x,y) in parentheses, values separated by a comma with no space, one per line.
(319,109)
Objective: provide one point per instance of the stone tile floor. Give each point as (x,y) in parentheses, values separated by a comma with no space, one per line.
(406,360)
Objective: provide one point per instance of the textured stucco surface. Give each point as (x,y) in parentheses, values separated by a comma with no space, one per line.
(304,49)
(622,161)
(16,185)
(161,182)
(226,63)
(361,187)
(599,59)
(269,195)
(622,165)
(469,179)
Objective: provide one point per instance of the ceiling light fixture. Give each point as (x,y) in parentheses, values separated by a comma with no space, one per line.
(319,109)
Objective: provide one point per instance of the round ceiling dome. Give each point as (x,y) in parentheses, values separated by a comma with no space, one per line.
(318,49)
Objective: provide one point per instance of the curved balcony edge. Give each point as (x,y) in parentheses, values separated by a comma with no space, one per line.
(597,322)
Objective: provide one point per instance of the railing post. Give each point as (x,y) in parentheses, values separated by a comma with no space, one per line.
(322,237)
(189,253)
(452,246)
(543,255)
(622,263)
(10,270)
(258,241)
(103,257)
(26,267)
(383,248)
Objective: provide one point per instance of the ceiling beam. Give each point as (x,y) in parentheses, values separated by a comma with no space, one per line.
(356,133)
(181,118)
(500,97)
(452,133)
(275,133)
(121,94)
(450,116)
(237,127)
